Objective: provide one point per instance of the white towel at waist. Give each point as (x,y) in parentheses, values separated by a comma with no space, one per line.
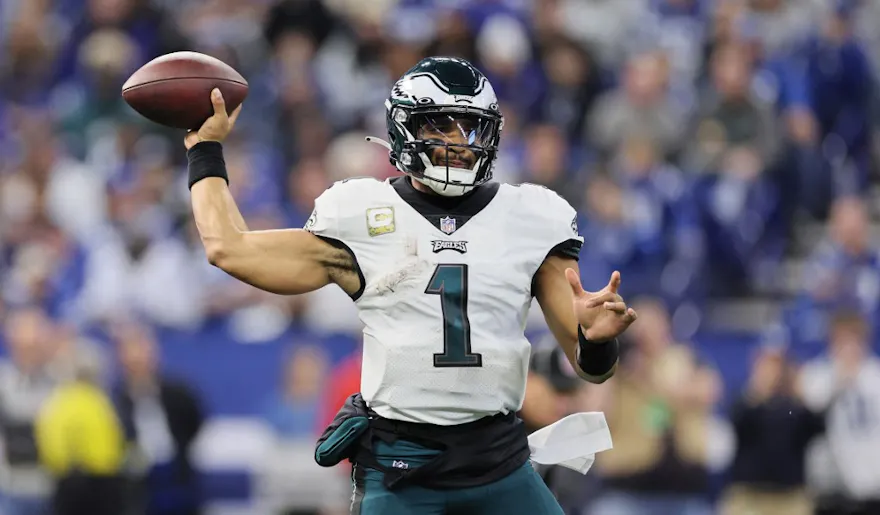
(571,442)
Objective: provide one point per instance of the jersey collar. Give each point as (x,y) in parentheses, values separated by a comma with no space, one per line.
(439,210)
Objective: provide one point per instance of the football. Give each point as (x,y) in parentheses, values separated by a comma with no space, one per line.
(175,89)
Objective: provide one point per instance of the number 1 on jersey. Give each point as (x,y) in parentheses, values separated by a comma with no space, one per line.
(450,283)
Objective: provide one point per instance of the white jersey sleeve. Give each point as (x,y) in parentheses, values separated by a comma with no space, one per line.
(341,218)
(550,221)
(327,219)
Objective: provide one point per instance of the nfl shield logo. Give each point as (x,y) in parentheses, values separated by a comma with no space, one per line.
(447,225)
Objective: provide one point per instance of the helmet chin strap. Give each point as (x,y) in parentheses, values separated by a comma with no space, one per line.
(441,188)
(444,189)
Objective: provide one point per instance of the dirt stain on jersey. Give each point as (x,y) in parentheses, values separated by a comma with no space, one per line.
(406,273)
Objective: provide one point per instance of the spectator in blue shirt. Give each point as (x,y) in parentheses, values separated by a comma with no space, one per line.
(641,222)
(843,272)
(739,212)
(294,411)
(840,88)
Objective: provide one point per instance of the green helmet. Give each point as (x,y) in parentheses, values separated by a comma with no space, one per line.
(444,125)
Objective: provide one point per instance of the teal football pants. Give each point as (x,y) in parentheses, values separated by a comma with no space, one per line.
(521,492)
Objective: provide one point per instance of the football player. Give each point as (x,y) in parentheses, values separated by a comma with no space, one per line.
(443,265)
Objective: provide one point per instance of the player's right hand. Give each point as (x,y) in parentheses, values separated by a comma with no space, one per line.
(215,128)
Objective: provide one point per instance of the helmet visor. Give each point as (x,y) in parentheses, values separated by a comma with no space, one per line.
(455,129)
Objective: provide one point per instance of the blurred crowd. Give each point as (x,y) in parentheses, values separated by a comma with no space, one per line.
(716,151)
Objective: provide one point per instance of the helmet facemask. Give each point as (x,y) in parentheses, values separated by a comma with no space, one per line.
(450,149)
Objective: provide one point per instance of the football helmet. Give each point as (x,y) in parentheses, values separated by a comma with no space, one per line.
(444,125)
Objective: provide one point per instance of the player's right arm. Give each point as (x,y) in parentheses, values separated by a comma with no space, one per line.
(287,261)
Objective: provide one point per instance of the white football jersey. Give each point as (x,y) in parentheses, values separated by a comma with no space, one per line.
(447,288)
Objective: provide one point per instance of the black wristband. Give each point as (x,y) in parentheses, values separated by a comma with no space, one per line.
(596,358)
(205,159)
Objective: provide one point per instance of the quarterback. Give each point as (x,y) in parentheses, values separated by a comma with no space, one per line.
(442,264)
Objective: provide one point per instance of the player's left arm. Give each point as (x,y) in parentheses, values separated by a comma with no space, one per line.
(586,324)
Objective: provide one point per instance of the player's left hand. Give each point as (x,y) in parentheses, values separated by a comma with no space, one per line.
(603,315)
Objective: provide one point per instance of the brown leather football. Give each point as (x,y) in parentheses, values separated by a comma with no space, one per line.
(175,89)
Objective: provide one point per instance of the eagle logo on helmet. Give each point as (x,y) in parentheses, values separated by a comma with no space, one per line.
(439,87)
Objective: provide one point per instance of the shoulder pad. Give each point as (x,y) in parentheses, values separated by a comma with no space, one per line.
(553,217)
(357,179)
(531,186)
(352,184)
(544,200)
(530,190)
(336,205)
(345,191)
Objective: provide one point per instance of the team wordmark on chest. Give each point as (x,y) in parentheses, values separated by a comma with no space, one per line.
(441,245)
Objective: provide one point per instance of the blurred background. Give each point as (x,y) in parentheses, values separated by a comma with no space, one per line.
(721,154)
